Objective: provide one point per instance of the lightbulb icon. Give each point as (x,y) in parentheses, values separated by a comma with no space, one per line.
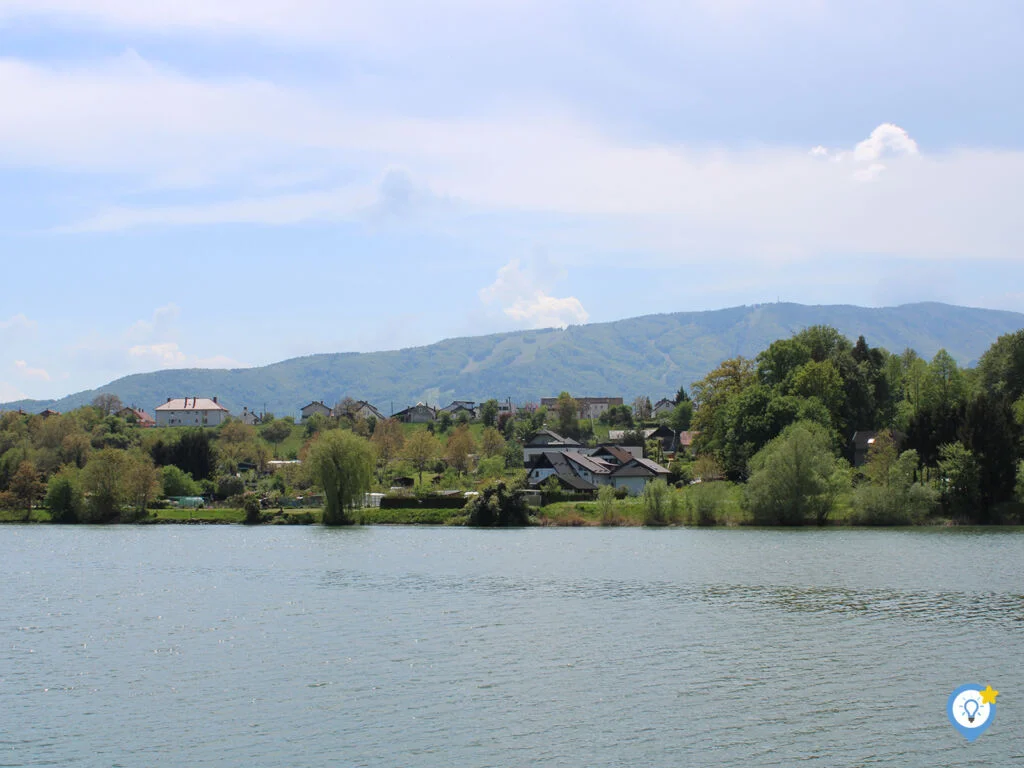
(971,708)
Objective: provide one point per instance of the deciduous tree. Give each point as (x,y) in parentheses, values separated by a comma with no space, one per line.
(421,449)
(458,449)
(107,403)
(341,463)
(492,443)
(489,413)
(388,439)
(26,486)
(103,481)
(795,478)
(568,411)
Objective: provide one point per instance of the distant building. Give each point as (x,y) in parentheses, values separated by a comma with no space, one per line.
(417,414)
(191,412)
(49,412)
(663,407)
(545,440)
(458,407)
(364,410)
(140,417)
(685,442)
(589,407)
(864,439)
(578,471)
(317,406)
(249,417)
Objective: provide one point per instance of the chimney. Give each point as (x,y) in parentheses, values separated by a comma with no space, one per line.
(214,399)
(168,399)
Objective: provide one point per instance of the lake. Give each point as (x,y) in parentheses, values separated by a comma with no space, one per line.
(303,646)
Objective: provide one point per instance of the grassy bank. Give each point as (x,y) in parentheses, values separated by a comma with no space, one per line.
(196,515)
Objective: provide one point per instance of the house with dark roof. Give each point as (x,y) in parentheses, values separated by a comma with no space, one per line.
(458,407)
(250,418)
(663,434)
(663,407)
(635,475)
(577,471)
(546,440)
(617,454)
(416,414)
(364,410)
(863,441)
(317,406)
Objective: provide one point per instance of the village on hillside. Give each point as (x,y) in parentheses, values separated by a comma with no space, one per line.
(637,442)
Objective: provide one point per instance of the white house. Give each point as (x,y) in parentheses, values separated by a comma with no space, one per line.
(249,417)
(663,407)
(589,407)
(364,410)
(417,414)
(317,406)
(191,412)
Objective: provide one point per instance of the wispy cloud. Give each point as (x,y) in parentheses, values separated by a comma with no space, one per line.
(679,201)
(29,372)
(17,324)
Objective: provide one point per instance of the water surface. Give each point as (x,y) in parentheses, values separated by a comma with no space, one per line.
(228,646)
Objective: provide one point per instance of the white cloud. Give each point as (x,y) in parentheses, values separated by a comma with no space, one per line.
(10,393)
(29,372)
(519,292)
(18,324)
(165,354)
(886,139)
(674,201)
(161,324)
(543,311)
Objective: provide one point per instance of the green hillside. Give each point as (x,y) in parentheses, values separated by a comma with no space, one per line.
(649,355)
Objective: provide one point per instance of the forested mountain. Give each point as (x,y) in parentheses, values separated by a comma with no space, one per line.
(651,355)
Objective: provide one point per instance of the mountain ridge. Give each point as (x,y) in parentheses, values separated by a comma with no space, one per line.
(650,354)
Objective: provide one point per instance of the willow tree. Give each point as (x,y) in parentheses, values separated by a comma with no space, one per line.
(342,464)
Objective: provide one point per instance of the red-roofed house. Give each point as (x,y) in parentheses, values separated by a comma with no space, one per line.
(140,417)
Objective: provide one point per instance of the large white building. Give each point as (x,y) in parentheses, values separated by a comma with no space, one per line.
(191,412)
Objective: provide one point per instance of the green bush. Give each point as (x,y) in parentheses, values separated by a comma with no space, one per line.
(253,512)
(229,485)
(661,504)
(890,496)
(606,506)
(706,502)
(498,505)
(64,496)
(795,478)
(876,505)
(177,482)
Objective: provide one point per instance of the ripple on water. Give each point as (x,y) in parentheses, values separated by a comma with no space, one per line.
(436,647)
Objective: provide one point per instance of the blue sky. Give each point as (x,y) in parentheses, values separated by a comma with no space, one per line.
(234,182)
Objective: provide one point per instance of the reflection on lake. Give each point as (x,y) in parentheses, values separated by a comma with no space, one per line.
(223,646)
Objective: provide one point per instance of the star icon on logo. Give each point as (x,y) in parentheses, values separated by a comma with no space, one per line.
(988,696)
